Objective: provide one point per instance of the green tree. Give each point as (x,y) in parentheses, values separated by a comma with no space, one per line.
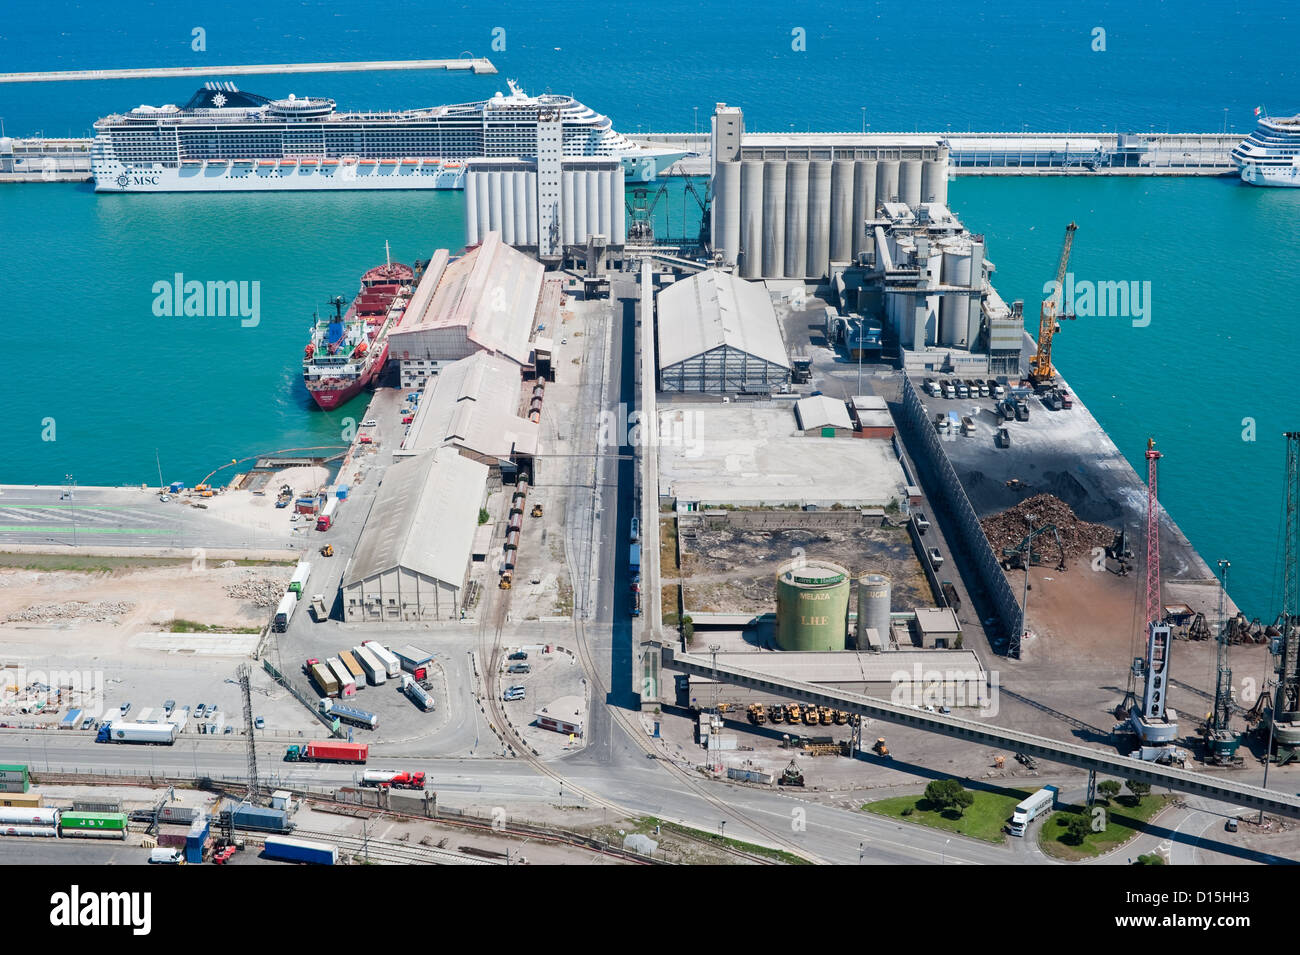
(1138,788)
(1150,858)
(965,799)
(688,630)
(944,793)
(483,515)
(1077,827)
(1109,789)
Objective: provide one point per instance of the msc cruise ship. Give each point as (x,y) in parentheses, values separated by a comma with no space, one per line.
(1270,156)
(226,139)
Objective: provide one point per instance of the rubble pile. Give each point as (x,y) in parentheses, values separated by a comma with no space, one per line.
(100,611)
(260,591)
(1078,538)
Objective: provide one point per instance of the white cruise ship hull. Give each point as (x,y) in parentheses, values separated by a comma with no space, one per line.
(262,176)
(1285,176)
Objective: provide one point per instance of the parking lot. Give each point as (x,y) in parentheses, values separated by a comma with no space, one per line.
(552,676)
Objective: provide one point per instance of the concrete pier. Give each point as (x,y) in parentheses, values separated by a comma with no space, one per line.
(472,64)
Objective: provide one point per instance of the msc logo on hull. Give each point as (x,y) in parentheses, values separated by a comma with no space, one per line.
(136,179)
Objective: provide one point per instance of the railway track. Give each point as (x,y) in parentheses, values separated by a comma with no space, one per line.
(400,853)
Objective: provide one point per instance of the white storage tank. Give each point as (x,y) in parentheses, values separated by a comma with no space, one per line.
(749,254)
(726,211)
(521,207)
(570,207)
(773,219)
(909,182)
(471,209)
(887,180)
(618,207)
(494,221)
(934,181)
(796,220)
(873,608)
(606,216)
(507,224)
(534,234)
(484,194)
(819,219)
(592,227)
(841,224)
(957,270)
(864,203)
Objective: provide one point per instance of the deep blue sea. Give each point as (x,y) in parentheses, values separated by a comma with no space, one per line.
(120,383)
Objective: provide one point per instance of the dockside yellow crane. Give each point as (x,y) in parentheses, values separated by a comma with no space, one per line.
(1040,365)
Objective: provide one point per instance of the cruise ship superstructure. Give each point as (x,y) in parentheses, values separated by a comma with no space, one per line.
(226,139)
(1270,156)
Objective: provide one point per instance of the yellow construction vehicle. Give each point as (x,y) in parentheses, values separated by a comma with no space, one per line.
(792,713)
(810,715)
(1040,365)
(757,714)
(777,713)
(537,510)
(880,749)
(824,715)
(841,717)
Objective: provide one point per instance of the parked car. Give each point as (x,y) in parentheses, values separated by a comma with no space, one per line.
(1230,825)
(168,706)
(126,708)
(407,419)
(200,711)
(519,668)
(259,723)
(518,655)
(922,522)
(370,423)
(936,558)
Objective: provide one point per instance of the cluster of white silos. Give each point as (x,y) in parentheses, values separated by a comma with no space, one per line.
(788,218)
(503,197)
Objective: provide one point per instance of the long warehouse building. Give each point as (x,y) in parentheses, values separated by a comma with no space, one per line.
(413,558)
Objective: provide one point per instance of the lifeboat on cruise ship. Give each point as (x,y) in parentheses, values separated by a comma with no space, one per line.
(310,349)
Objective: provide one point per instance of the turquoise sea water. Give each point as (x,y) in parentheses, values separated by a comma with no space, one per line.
(77,271)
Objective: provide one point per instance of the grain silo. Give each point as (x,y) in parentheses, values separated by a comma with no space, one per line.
(812,605)
(873,609)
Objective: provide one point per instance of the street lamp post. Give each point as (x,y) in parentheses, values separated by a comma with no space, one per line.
(944,851)
(864,119)
(723,828)
(696,110)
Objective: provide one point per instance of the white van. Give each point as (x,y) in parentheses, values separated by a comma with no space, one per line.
(166,857)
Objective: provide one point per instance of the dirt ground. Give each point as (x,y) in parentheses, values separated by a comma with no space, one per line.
(157,596)
(733,570)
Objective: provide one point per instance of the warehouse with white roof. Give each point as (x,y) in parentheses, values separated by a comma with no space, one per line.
(413,557)
(473,405)
(719,334)
(483,301)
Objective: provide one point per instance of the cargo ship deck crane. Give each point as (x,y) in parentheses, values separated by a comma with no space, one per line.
(1040,365)
(1284,718)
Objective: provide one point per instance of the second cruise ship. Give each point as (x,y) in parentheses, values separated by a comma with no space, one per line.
(226,139)
(1270,156)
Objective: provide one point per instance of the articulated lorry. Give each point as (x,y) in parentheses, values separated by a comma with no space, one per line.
(327,751)
(326,682)
(348,714)
(1033,807)
(392,665)
(284,613)
(417,694)
(392,778)
(301,574)
(161,734)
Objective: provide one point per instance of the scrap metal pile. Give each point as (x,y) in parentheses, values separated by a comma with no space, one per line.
(1078,538)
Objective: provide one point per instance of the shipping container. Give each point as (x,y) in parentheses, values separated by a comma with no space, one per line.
(376,672)
(386,657)
(324,679)
(300,850)
(48,832)
(28,816)
(330,751)
(347,682)
(13,771)
(182,815)
(70,721)
(92,825)
(262,819)
(301,574)
(196,841)
(22,800)
(354,667)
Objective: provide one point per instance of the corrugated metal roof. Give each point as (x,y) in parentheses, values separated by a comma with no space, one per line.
(491,291)
(424,518)
(713,309)
(822,411)
(474,403)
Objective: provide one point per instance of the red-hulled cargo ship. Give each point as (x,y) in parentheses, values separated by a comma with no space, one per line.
(348,350)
